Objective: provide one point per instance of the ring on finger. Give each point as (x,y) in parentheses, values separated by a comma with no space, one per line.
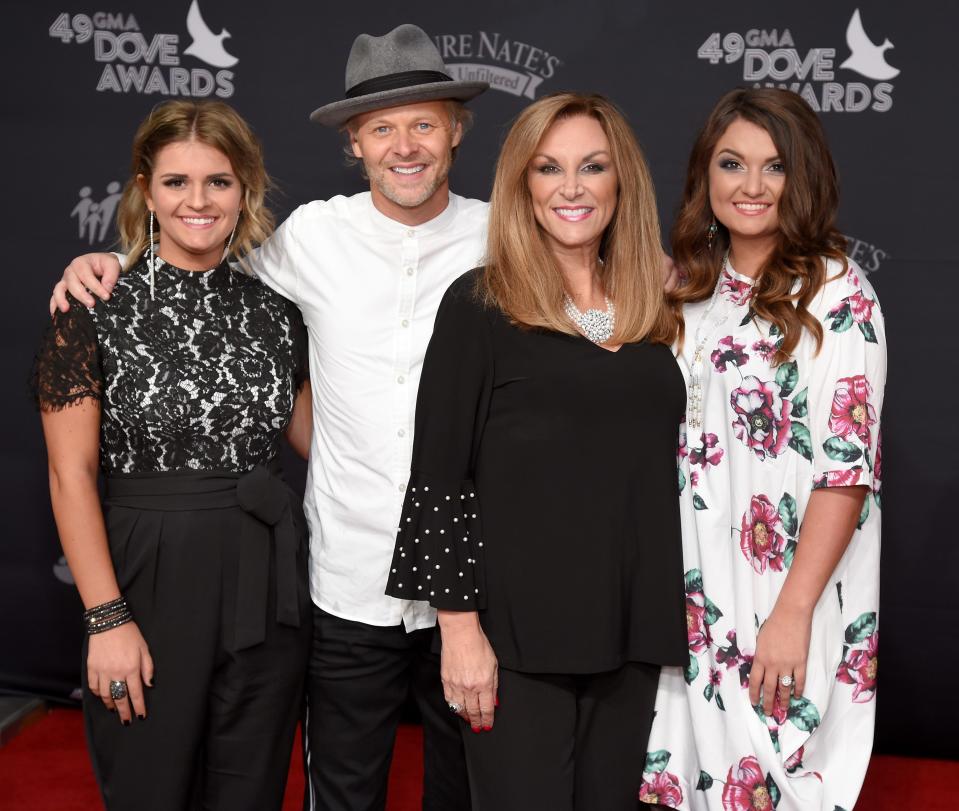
(786,681)
(118,690)
(455,708)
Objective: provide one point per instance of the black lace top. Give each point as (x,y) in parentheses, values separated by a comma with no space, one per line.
(203,376)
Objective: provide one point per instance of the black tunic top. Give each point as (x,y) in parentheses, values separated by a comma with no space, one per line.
(543,492)
(202,376)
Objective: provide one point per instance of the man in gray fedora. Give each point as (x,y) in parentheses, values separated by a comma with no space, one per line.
(368,272)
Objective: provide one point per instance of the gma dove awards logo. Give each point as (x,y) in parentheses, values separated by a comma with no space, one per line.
(509,65)
(771,59)
(135,63)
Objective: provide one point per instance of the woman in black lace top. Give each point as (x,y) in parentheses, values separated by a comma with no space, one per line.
(179,388)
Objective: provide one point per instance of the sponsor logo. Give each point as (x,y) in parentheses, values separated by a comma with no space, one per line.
(770,58)
(868,256)
(134,62)
(94,217)
(509,65)
(62,572)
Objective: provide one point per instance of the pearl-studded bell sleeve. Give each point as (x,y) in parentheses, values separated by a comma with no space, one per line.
(438,555)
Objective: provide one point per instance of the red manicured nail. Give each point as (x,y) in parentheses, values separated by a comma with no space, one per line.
(496,701)
(476,729)
(487,729)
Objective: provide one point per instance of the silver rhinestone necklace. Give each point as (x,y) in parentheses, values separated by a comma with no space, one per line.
(595,324)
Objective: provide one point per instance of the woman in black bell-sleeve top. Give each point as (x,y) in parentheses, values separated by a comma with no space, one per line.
(543,497)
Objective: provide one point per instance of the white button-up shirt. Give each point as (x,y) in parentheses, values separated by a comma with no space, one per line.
(369,288)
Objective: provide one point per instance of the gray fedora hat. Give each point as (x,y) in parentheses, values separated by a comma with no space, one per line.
(400,67)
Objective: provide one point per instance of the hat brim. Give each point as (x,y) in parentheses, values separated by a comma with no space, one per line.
(339,112)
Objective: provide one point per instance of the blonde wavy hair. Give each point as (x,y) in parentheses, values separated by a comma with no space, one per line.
(522,277)
(208,122)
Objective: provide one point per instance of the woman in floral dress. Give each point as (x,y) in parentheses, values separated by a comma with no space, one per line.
(780,474)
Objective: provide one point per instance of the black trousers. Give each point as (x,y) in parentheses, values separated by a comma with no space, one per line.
(359,679)
(222,715)
(564,743)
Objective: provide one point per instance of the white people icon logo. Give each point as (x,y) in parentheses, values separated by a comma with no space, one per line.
(94,217)
(771,58)
(152,63)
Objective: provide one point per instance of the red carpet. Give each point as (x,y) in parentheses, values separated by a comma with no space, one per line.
(45,768)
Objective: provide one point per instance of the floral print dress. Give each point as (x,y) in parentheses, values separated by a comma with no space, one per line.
(764,438)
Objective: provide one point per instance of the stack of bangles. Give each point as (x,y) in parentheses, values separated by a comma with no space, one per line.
(109,615)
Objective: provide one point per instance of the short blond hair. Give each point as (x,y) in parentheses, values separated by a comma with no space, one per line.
(215,124)
(522,277)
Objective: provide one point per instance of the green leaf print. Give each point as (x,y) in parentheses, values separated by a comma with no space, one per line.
(712,614)
(840,450)
(719,701)
(877,497)
(789,553)
(839,592)
(803,713)
(787,376)
(698,503)
(787,514)
(800,406)
(691,671)
(656,761)
(863,627)
(842,319)
(694,581)
(708,691)
(774,793)
(705,782)
(869,333)
(750,315)
(682,480)
(864,512)
(800,440)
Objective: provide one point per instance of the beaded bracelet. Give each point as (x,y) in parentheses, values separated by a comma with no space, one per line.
(105,616)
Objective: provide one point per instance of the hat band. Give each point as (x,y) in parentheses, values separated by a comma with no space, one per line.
(394,81)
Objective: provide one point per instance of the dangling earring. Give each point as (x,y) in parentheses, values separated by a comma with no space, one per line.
(152,260)
(229,242)
(711,233)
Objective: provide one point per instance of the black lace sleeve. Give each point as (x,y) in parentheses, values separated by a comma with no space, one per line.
(439,552)
(67,366)
(301,345)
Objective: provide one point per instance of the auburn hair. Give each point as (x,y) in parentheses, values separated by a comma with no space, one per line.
(795,270)
(215,124)
(522,277)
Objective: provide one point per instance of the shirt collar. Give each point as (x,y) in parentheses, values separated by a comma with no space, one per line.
(382,223)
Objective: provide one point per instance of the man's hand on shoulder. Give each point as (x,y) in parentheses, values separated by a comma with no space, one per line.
(93,274)
(673,274)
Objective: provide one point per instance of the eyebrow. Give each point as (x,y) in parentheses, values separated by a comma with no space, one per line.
(214,176)
(590,156)
(736,154)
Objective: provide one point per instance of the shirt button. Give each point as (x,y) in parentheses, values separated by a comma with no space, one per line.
(409,271)
(403,487)
(410,233)
(401,379)
(401,432)
(405,322)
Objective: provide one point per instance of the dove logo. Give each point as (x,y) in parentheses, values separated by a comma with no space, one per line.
(206,45)
(867,59)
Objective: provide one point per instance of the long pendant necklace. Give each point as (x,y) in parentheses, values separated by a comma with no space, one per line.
(706,327)
(595,324)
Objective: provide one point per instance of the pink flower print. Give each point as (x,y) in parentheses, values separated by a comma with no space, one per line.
(745,788)
(852,413)
(852,277)
(731,656)
(738,292)
(761,538)
(694,478)
(837,478)
(707,453)
(762,417)
(697,631)
(764,348)
(715,677)
(662,788)
(861,307)
(859,669)
(877,464)
(728,352)
(682,450)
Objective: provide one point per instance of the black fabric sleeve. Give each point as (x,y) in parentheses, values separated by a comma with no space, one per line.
(67,365)
(439,544)
(301,344)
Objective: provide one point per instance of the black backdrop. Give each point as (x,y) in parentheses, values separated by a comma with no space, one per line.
(79,80)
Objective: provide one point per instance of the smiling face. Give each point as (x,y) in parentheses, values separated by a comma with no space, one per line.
(746,181)
(573,184)
(407,152)
(196,198)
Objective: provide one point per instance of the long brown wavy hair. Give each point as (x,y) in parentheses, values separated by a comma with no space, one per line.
(795,269)
(522,277)
(215,124)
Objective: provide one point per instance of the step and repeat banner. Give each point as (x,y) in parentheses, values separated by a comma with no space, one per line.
(882,76)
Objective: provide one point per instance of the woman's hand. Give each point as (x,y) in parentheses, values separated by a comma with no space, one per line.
(468,668)
(120,654)
(781,650)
